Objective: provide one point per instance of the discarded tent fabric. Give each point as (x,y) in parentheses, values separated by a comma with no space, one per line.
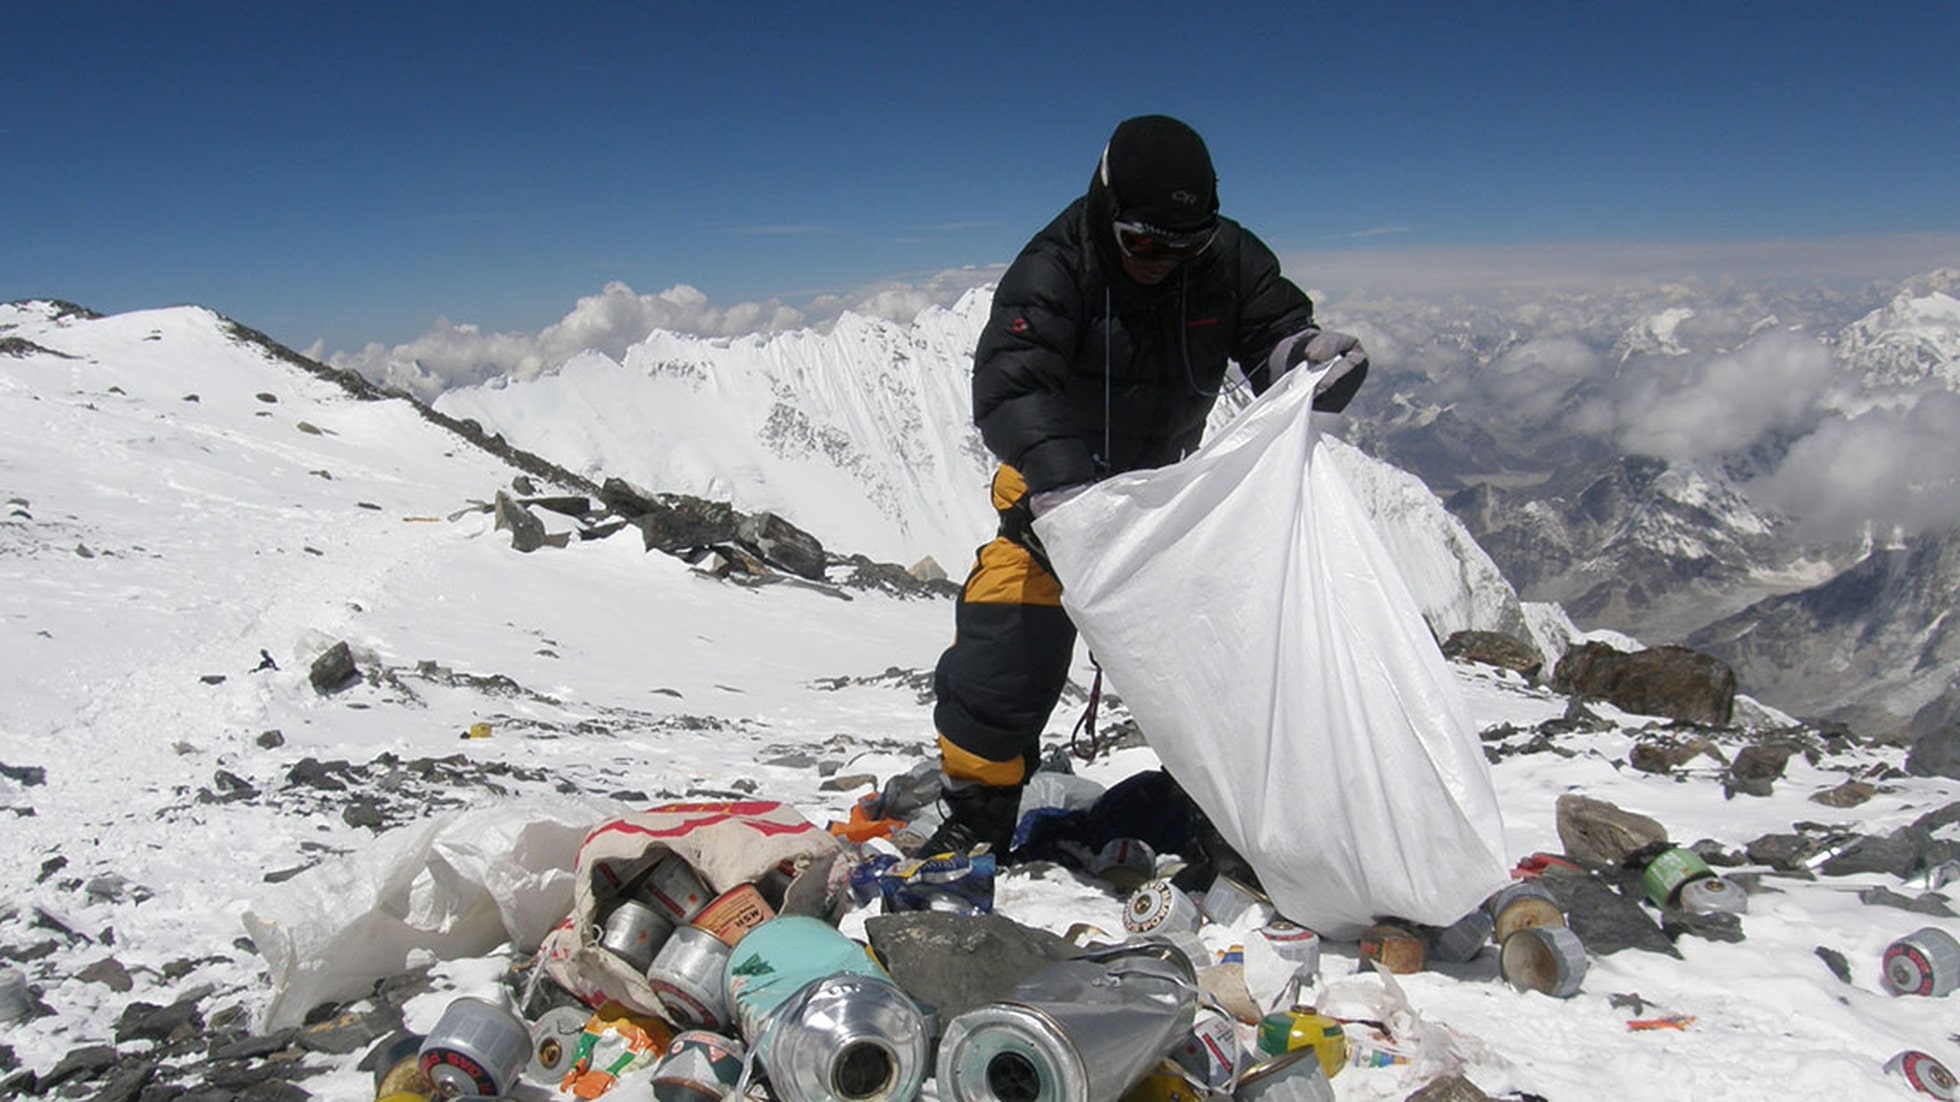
(457,885)
(1248,613)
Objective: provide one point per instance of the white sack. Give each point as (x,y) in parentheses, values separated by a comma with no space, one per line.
(455,886)
(1253,621)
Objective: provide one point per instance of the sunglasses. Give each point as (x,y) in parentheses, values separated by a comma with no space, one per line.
(1142,241)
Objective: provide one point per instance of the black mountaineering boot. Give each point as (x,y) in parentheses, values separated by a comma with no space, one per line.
(975,814)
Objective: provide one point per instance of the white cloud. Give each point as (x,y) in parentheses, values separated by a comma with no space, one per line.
(1591,265)
(1690,407)
(615,319)
(1894,467)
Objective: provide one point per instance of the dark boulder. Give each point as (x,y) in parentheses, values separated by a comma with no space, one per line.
(1662,681)
(1495,649)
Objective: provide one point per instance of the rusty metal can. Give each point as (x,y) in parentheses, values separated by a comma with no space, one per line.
(1549,959)
(1925,962)
(675,888)
(634,932)
(1522,906)
(734,913)
(1396,948)
(477,1047)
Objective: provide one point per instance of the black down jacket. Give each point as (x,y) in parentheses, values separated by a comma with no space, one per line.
(1081,372)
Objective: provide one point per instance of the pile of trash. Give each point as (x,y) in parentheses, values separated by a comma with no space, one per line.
(703,960)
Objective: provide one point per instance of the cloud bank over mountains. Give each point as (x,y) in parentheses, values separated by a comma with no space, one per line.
(1748,368)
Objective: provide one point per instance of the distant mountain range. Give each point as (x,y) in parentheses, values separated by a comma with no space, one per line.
(1521,417)
(1639,462)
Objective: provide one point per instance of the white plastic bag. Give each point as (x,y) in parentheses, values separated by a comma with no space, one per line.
(454,886)
(1245,609)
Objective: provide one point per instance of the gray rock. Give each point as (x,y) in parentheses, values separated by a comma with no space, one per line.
(88,1062)
(1834,960)
(1787,852)
(783,544)
(141,1021)
(254,1048)
(1597,833)
(1677,923)
(1662,681)
(1849,794)
(1936,754)
(1450,1088)
(1495,649)
(526,530)
(110,973)
(342,1034)
(1605,920)
(334,669)
(932,956)
(1900,854)
(128,1083)
(1755,770)
(1930,903)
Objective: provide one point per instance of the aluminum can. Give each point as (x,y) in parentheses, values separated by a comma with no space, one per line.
(1925,962)
(733,913)
(1209,1052)
(1294,943)
(1293,1030)
(476,1048)
(825,1022)
(1159,906)
(1076,1031)
(1549,959)
(1522,906)
(554,1043)
(1925,1074)
(1666,873)
(1294,1076)
(675,888)
(634,932)
(1124,863)
(1396,948)
(1712,895)
(687,979)
(1227,901)
(698,1066)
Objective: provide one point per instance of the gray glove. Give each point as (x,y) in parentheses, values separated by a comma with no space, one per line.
(1337,353)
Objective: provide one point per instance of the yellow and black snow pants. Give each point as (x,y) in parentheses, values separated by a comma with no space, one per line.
(1012,645)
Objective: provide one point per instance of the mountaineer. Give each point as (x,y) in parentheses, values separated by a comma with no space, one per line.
(1106,347)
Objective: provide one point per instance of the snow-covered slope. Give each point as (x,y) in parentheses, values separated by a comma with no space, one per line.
(863,435)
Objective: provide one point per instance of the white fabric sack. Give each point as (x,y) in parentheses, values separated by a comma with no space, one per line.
(1243,605)
(454,886)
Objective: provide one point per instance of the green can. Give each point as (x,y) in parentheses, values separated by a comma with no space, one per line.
(1666,873)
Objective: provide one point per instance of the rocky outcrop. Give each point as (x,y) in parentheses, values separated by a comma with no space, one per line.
(1662,681)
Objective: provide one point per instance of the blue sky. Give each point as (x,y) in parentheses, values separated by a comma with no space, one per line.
(349,172)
